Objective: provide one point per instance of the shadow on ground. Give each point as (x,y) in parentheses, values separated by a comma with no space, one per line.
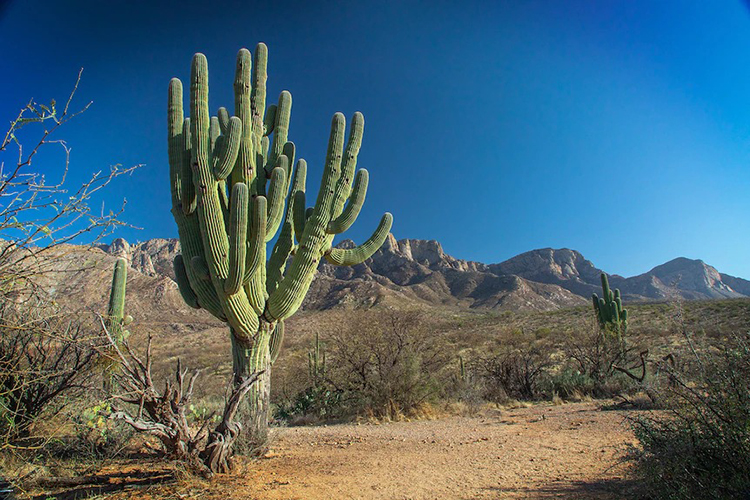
(88,486)
(604,489)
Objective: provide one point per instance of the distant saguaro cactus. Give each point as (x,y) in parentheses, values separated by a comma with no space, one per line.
(116,317)
(226,211)
(609,311)
(115,320)
(316,363)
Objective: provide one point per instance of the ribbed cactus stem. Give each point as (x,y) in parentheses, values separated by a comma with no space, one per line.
(116,309)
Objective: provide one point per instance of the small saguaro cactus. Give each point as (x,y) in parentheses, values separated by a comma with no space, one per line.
(233,187)
(316,363)
(609,310)
(116,318)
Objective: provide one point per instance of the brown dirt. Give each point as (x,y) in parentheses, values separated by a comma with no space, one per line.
(543,451)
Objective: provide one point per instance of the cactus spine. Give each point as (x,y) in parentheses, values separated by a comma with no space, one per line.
(608,309)
(232,188)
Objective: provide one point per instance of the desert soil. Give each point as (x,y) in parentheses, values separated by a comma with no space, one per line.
(543,451)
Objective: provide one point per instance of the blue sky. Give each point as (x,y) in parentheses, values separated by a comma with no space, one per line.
(617,128)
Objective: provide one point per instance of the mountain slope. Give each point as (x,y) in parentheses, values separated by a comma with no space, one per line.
(419,272)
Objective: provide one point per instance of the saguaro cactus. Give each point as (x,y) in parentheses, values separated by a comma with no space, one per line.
(116,317)
(608,309)
(316,363)
(226,211)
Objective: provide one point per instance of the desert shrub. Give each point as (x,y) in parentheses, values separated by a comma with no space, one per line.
(321,402)
(570,383)
(47,360)
(387,363)
(597,362)
(515,372)
(700,446)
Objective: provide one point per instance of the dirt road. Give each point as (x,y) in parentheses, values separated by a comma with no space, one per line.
(568,451)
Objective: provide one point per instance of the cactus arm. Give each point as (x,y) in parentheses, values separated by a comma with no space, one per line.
(353,207)
(289,150)
(597,312)
(299,214)
(256,238)
(344,182)
(277,339)
(116,309)
(223,117)
(179,140)
(244,170)
(254,274)
(258,95)
(332,168)
(237,238)
(269,120)
(276,194)
(175,141)
(280,130)
(615,314)
(227,149)
(357,255)
(285,242)
(606,292)
(183,284)
(188,188)
(214,132)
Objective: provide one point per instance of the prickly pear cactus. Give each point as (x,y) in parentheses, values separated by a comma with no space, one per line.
(235,184)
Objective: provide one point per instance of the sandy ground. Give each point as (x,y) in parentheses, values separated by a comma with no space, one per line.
(544,451)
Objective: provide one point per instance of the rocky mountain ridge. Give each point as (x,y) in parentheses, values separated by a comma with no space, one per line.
(419,271)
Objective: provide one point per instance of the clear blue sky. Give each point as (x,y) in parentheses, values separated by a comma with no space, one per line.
(617,128)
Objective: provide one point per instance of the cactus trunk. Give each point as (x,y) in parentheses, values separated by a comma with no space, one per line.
(232,188)
(249,358)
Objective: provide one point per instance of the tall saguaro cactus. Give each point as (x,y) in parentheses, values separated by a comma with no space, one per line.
(233,187)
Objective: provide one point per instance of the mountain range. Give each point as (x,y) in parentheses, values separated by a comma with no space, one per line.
(418,272)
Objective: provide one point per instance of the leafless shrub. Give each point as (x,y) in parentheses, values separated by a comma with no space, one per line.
(46,360)
(38,215)
(513,373)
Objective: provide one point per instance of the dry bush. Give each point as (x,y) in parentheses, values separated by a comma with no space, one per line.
(380,363)
(700,446)
(47,360)
(387,363)
(516,372)
(164,413)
